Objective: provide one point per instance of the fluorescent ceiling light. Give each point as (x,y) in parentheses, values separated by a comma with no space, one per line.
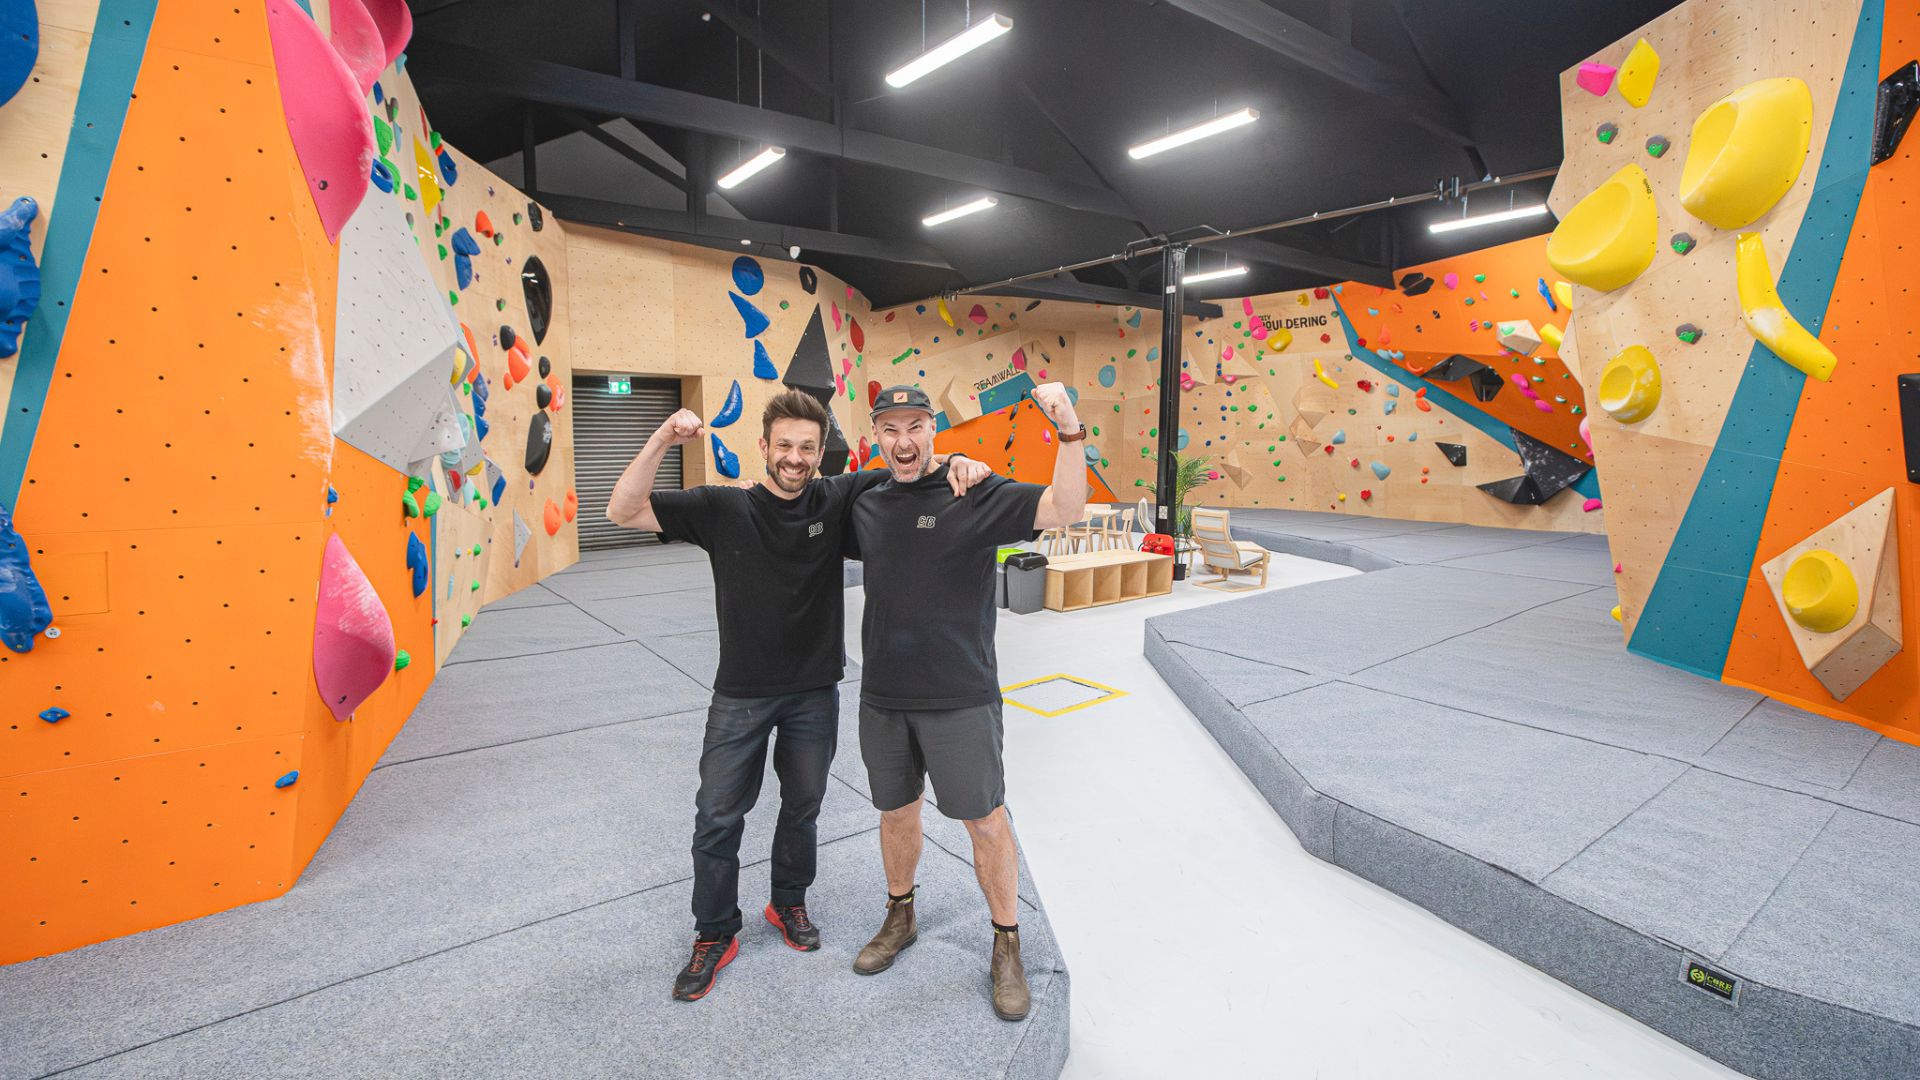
(984,202)
(752,165)
(1199,131)
(1488,219)
(1214,275)
(950,50)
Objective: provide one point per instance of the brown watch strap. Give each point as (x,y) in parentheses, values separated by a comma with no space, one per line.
(1076,436)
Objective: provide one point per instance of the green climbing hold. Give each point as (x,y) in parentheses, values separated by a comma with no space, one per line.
(475,587)
(453,298)
(414,484)
(383,135)
(499,305)
(432,505)
(434,138)
(516,219)
(401,659)
(466,620)
(476,549)
(1482,278)
(443,252)
(410,506)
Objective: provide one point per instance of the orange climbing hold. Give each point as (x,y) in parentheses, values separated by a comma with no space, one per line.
(572,506)
(482,224)
(554,518)
(517,367)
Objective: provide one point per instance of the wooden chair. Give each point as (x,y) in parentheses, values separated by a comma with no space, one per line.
(1084,535)
(1220,552)
(1117,530)
(1053,541)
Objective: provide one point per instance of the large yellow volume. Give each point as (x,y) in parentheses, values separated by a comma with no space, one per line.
(1746,152)
(1610,236)
(1630,385)
(1770,320)
(1820,591)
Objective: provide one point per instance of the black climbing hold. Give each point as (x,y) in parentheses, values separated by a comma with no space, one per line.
(506,337)
(546,367)
(536,217)
(811,368)
(543,395)
(539,442)
(1689,333)
(1893,111)
(1063,341)
(1456,453)
(1415,283)
(1033,304)
(1910,423)
(1486,383)
(1683,242)
(809,280)
(1658,145)
(1454,367)
(538,289)
(1608,131)
(1549,471)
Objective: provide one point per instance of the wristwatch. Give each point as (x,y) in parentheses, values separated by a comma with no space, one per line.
(1076,436)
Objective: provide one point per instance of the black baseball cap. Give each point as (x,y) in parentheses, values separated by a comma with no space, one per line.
(901,397)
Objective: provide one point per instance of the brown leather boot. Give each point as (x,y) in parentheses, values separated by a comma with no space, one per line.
(898,932)
(1010,998)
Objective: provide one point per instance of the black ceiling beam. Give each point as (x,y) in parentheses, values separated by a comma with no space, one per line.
(1315,51)
(1079,291)
(749,29)
(729,232)
(546,83)
(1331,267)
(612,142)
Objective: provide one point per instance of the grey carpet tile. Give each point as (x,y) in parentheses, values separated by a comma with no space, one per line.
(1779,744)
(585,994)
(430,855)
(631,581)
(638,555)
(657,614)
(532,596)
(1243,682)
(1842,926)
(1696,863)
(1444,545)
(488,702)
(530,631)
(1348,624)
(1887,782)
(1519,798)
(1556,561)
(1561,666)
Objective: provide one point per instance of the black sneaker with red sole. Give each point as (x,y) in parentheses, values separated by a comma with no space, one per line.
(795,927)
(709,957)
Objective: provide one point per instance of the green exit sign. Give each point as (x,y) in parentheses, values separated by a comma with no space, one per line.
(619,384)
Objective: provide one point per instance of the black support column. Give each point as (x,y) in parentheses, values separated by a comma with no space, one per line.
(1173,288)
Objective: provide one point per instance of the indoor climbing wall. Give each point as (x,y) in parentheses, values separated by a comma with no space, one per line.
(246,500)
(1734,246)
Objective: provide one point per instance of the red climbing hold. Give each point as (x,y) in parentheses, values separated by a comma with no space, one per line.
(1329,449)
(873,392)
(857,335)
(1366,386)
(1366,495)
(1320,293)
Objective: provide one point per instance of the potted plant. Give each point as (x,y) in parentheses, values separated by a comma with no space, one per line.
(1188,474)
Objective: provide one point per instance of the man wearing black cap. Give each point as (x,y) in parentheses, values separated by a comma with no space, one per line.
(929,583)
(776,552)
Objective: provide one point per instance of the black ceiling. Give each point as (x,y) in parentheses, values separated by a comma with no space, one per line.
(1050,108)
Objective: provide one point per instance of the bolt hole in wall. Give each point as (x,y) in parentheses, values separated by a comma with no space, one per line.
(614,413)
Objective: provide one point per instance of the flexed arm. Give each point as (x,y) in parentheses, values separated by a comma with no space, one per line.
(1065,500)
(631,504)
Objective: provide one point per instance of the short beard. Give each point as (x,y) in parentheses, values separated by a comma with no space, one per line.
(773,474)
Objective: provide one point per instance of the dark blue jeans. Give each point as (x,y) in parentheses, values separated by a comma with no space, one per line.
(733,761)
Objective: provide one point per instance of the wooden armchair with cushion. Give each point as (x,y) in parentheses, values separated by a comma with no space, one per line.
(1222,553)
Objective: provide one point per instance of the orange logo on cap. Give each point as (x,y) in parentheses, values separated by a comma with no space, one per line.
(899,396)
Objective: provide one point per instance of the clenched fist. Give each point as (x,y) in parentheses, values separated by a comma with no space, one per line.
(681,428)
(1053,400)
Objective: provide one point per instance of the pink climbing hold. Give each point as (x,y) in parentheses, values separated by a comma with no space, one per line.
(978,315)
(1226,353)
(395,21)
(1246,304)
(836,316)
(1543,406)
(353,646)
(1259,330)
(1596,79)
(1521,382)
(1616,568)
(1019,359)
(1590,505)
(1451,281)
(356,37)
(1047,437)
(326,115)
(1586,436)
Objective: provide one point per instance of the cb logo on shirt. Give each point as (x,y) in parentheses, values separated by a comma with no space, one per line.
(926,522)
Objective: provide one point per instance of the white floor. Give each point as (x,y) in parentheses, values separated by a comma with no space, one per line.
(1204,941)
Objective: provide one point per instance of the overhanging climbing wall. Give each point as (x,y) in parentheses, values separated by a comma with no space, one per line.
(1738,320)
(254,472)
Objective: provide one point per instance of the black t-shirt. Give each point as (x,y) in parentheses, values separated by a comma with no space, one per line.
(928,631)
(776,576)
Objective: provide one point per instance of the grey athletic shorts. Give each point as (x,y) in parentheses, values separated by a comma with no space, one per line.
(959,748)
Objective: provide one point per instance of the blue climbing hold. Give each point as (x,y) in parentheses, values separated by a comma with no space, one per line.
(417,562)
(499,488)
(19,277)
(1108,375)
(762,363)
(1153,354)
(287,780)
(1380,470)
(464,243)
(19,45)
(725,460)
(1135,320)
(1393,389)
(379,95)
(747,276)
(1340,436)
(480,425)
(1073,394)
(54,716)
(1391,405)
(23,603)
(332,495)
(1181,442)
(382,176)
(730,411)
(1413,436)
(756,323)
(1547,295)
(463,270)
(448,174)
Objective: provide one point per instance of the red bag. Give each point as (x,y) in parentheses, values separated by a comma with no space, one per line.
(1157,544)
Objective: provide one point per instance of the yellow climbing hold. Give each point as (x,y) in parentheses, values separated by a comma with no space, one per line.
(1552,336)
(1630,385)
(1617,617)
(1746,152)
(1563,292)
(429,186)
(1321,374)
(1642,67)
(945,315)
(1279,339)
(1770,320)
(1820,592)
(1610,236)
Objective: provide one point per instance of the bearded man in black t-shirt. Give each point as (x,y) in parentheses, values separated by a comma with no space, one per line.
(776,549)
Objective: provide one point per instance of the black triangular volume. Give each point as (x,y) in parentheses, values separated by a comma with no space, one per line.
(1456,453)
(834,455)
(812,366)
(1486,383)
(1552,469)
